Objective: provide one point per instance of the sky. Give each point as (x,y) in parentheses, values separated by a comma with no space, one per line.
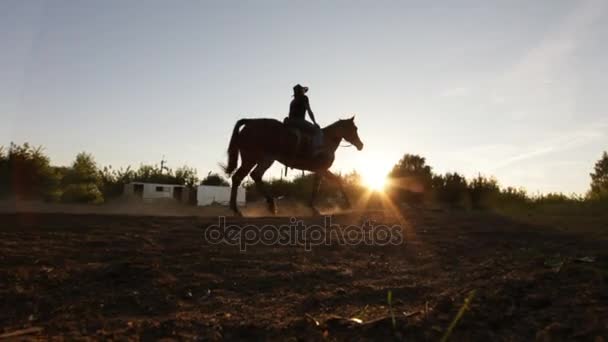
(514,89)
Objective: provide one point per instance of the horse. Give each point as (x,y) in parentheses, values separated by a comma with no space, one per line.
(263,141)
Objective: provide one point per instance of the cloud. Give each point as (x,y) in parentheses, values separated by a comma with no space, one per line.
(543,79)
(498,157)
(560,143)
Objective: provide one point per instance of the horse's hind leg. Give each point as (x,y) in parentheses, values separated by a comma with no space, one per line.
(237,178)
(257,175)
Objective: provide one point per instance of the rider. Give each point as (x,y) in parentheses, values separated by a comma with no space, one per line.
(297,116)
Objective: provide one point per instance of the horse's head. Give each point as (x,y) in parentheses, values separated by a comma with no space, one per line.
(348,131)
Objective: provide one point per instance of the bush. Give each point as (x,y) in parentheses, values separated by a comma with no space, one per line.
(186,176)
(25,172)
(113,181)
(82,193)
(411,179)
(81,181)
(451,189)
(599,179)
(484,192)
(214,179)
(300,188)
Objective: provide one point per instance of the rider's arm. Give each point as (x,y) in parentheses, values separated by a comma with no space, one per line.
(310,113)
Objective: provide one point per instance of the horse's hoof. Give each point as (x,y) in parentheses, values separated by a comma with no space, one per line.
(272,207)
(238,213)
(315,212)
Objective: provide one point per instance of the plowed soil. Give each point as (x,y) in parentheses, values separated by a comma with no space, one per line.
(86,276)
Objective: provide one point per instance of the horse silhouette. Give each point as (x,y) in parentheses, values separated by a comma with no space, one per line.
(261,142)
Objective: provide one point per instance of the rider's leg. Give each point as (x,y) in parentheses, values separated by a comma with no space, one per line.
(316,134)
(318,137)
(309,129)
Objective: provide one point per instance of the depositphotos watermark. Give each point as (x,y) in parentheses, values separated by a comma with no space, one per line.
(296,233)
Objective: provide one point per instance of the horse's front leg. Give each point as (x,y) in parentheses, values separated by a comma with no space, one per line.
(316,184)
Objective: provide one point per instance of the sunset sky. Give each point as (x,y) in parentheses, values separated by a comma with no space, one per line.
(514,89)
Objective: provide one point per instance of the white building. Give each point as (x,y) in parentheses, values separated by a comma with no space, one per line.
(153,191)
(209,194)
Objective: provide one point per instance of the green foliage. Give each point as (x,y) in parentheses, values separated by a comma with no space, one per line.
(154,174)
(411,165)
(484,192)
(25,172)
(113,181)
(300,188)
(411,179)
(465,306)
(511,194)
(389,301)
(214,179)
(82,181)
(83,171)
(353,186)
(82,193)
(186,175)
(451,188)
(599,179)
(555,198)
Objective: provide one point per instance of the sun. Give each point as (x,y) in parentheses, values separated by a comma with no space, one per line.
(374,179)
(373,170)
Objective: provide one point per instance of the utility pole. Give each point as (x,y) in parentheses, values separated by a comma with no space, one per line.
(162,164)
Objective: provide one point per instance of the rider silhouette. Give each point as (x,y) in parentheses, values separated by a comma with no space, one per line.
(300,105)
(297,115)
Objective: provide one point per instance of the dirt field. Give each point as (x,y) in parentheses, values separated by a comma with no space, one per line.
(144,277)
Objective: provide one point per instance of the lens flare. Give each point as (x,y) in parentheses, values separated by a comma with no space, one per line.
(374,179)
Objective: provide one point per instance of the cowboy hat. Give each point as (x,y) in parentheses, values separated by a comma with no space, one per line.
(297,88)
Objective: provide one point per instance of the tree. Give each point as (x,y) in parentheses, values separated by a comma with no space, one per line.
(82,181)
(187,176)
(154,174)
(599,179)
(411,165)
(484,192)
(113,181)
(411,178)
(214,179)
(84,170)
(25,172)
(450,188)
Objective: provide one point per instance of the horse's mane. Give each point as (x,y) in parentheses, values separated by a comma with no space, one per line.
(335,124)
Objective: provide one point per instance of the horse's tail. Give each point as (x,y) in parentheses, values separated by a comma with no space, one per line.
(233,149)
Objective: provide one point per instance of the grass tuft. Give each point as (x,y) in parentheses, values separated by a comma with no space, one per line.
(463,308)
